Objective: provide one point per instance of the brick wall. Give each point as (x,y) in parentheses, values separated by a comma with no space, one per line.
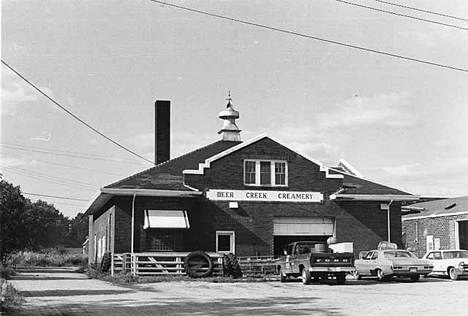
(417,230)
(228,172)
(253,224)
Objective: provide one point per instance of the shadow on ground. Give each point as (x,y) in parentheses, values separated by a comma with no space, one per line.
(71,293)
(226,307)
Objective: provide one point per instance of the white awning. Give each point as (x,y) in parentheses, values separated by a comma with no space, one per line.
(166,219)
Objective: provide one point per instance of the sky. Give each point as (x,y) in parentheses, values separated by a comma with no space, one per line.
(399,122)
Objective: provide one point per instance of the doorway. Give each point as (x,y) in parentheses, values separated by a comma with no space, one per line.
(463,234)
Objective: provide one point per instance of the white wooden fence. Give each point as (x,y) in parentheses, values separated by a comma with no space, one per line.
(158,263)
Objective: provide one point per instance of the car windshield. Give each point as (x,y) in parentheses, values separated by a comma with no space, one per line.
(455,254)
(398,254)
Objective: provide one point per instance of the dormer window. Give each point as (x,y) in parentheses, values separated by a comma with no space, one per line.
(265,173)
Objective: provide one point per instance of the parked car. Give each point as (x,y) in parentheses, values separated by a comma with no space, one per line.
(453,263)
(388,263)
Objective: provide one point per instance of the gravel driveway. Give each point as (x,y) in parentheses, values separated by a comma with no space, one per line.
(65,292)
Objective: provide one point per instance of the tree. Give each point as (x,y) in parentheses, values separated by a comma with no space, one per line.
(47,227)
(78,230)
(13,230)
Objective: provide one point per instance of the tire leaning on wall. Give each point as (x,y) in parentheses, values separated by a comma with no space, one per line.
(232,266)
(106,262)
(198,264)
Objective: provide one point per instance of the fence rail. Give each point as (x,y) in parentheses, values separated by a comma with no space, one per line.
(258,265)
(158,263)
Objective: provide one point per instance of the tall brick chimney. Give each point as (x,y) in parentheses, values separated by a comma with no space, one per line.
(162,137)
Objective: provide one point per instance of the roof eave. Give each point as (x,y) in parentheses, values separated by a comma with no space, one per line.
(373,197)
(105,194)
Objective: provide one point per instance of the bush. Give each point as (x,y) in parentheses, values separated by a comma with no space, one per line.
(6,272)
(11,299)
(51,258)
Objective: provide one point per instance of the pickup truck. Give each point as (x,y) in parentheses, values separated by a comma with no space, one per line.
(314,259)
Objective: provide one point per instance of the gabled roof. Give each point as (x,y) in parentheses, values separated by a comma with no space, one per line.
(201,168)
(168,175)
(167,178)
(438,208)
(358,188)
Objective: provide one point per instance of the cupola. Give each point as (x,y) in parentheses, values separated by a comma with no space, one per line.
(230,130)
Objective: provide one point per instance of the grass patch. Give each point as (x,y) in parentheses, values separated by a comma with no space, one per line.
(50,258)
(11,299)
(127,278)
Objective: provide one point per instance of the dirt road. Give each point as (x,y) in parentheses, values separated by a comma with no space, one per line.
(63,292)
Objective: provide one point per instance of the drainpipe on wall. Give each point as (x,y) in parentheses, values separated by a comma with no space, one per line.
(388,219)
(133,224)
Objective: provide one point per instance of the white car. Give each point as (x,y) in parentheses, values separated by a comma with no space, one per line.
(453,263)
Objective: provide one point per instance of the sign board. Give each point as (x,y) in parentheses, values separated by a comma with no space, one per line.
(264,196)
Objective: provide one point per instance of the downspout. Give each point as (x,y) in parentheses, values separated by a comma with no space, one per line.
(388,219)
(133,224)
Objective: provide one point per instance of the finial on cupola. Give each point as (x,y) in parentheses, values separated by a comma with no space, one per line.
(230,130)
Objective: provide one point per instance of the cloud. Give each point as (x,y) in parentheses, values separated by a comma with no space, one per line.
(16,92)
(437,177)
(308,140)
(384,109)
(15,162)
(13,94)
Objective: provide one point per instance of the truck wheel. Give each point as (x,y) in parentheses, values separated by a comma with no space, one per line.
(453,273)
(414,278)
(283,276)
(340,278)
(381,276)
(305,276)
(198,264)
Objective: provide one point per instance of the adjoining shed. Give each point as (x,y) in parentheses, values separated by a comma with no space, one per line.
(248,198)
(441,224)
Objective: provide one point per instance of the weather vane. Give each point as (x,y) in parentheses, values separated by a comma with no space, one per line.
(229,99)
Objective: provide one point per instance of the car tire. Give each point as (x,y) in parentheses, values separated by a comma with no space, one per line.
(341,278)
(415,278)
(381,276)
(198,264)
(453,273)
(305,276)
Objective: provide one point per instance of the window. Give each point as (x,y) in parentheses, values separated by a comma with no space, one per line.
(225,242)
(265,173)
(250,167)
(430,256)
(437,256)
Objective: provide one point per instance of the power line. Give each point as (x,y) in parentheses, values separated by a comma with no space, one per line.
(48,179)
(402,15)
(55,196)
(310,37)
(421,10)
(47,176)
(64,165)
(63,151)
(73,115)
(109,159)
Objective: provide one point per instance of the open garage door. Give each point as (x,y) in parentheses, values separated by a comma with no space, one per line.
(290,229)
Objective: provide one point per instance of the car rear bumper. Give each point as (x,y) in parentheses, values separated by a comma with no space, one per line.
(408,272)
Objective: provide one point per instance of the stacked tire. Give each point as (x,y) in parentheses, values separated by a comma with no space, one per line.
(198,264)
(232,266)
